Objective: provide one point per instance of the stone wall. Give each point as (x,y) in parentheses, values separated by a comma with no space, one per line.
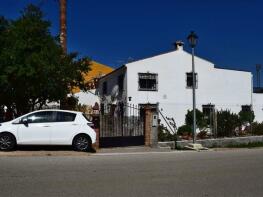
(222,142)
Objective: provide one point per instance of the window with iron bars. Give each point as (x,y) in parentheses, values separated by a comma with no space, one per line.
(189,80)
(148,82)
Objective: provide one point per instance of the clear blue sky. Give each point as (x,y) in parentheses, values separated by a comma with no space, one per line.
(112,31)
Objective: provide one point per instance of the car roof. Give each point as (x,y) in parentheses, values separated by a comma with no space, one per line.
(58,110)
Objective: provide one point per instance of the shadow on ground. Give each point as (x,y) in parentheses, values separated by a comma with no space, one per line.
(48,148)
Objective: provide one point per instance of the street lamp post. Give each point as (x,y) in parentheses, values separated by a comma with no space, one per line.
(192,39)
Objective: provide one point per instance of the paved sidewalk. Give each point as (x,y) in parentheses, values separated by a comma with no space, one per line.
(133,149)
(65,151)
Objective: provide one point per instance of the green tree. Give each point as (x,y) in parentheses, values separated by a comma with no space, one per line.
(200,121)
(34,69)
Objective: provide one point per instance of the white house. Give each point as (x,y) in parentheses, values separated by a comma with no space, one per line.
(165,81)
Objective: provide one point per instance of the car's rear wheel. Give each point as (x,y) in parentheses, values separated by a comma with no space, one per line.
(81,143)
(7,142)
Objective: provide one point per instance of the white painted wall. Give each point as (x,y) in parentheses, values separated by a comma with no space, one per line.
(258,106)
(226,89)
(88,98)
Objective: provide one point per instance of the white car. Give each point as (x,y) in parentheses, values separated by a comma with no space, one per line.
(48,127)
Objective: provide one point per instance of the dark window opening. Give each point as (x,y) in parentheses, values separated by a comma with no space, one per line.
(104,87)
(120,82)
(208,111)
(148,82)
(189,80)
(246,108)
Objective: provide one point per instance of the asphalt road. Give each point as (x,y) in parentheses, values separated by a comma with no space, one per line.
(212,173)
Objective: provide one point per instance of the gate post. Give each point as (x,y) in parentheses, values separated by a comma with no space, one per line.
(96,123)
(150,128)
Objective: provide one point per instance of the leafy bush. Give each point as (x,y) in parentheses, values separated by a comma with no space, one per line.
(246,116)
(165,135)
(185,129)
(227,122)
(200,121)
(202,135)
(257,128)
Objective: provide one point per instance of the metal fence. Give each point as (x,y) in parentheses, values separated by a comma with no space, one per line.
(121,124)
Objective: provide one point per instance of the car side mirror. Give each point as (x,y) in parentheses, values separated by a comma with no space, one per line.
(25,121)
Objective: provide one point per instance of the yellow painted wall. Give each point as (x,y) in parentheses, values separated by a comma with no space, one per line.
(97,70)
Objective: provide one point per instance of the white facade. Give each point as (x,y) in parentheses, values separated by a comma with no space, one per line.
(225,89)
(258,106)
(87,98)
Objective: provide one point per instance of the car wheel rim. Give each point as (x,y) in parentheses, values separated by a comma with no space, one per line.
(5,142)
(82,143)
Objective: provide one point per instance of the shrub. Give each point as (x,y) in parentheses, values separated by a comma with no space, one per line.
(246,116)
(257,128)
(202,135)
(200,121)
(185,129)
(227,122)
(165,135)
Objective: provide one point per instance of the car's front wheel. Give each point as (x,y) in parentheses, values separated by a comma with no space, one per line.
(7,142)
(81,143)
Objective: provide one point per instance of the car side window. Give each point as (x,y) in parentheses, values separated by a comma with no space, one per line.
(41,117)
(65,117)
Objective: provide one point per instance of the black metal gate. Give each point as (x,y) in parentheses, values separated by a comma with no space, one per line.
(121,125)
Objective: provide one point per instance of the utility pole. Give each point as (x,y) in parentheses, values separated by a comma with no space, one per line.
(63,39)
(63,24)
(192,39)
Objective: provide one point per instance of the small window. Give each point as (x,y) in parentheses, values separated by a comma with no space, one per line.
(148,82)
(41,117)
(189,80)
(65,117)
(246,108)
(105,87)
(208,111)
(120,82)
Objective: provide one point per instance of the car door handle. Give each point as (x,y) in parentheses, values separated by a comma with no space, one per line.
(75,124)
(46,126)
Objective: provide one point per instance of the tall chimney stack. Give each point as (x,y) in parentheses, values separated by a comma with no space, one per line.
(179,45)
(63,27)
